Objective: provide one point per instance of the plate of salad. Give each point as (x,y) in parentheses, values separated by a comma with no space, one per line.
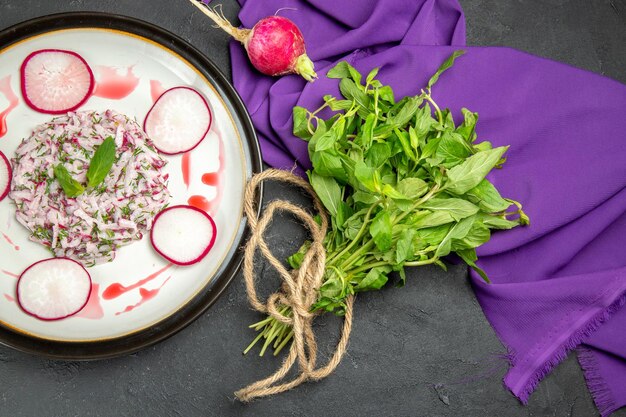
(124,153)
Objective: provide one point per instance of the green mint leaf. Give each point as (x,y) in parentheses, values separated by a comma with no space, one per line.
(301,123)
(372,74)
(326,141)
(339,71)
(101,162)
(385,93)
(375,279)
(470,173)
(469,256)
(477,235)
(432,219)
(412,187)
(353,92)
(452,149)
(467,129)
(487,197)
(458,231)
(71,187)
(446,64)
(328,190)
(404,246)
(367,176)
(380,229)
(456,207)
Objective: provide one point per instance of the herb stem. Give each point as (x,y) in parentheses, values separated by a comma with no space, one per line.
(358,236)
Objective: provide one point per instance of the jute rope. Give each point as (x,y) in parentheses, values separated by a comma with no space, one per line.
(299,290)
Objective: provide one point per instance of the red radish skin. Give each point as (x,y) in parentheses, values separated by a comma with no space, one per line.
(31,313)
(5,183)
(156,114)
(275,45)
(25,82)
(159,248)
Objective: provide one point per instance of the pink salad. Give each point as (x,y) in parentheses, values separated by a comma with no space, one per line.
(91,227)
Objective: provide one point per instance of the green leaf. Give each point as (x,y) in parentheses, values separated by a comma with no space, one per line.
(372,74)
(467,129)
(488,197)
(340,105)
(329,164)
(404,142)
(452,149)
(367,131)
(327,190)
(470,173)
(483,146)
(380,229)
(391,192)
(296,259)
(386,94)
(301,123)
(353,225)
(458,231)
(350,91)
(469,256)
(456,207)
(407,112)
(101,162)
(404,246)
(432,235)
(375,279)
(446,64)
(412,187)
(367,176)
(495,222)
(433,219)
(326,141)
(71,187)
(378,154)
(477,235)
(339,71)
(364,197)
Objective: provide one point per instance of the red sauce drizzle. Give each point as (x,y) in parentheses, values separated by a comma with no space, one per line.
(8,239)
(210,178)
(156,90)
(9,298)
(200,202)
(113,85)
(11,274)
(116,289)
(185,166)
(146,295)
(219,175)
(93,309)
(5,89)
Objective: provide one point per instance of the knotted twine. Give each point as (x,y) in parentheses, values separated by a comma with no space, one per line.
(299,289)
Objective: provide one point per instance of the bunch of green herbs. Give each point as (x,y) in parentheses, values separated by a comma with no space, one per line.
(402,183)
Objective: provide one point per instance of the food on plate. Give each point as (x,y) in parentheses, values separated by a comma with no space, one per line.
(178,120)
(53,289)
(183,235)
(275,45)
(5,176)
(113,209)
(55,81)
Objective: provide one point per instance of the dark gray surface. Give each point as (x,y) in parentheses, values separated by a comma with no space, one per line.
(405,341)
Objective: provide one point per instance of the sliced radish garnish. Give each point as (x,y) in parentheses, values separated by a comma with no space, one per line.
(56,81)
(183,234)
(5,176)
(178,120)
(53,289)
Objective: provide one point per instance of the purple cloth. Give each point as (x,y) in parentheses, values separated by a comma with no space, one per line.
(557,285)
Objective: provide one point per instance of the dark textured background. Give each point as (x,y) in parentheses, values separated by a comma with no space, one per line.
(405,341)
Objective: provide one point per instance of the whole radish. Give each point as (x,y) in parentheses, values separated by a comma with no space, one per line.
(275,45)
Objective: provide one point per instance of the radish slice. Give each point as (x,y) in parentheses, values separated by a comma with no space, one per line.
(56,81)
(53,289)
(178,120)
(183,234)
(5,176)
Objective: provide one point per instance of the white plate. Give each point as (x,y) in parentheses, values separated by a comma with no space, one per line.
(161,298)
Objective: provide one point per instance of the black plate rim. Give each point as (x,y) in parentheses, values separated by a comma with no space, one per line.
(188,313)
